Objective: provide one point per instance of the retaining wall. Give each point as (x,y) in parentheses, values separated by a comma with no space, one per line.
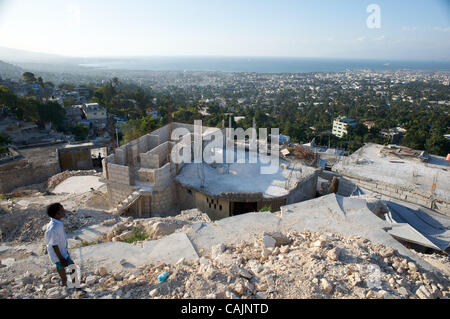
(27,175)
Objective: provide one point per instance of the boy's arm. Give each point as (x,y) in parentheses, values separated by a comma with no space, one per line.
(63,261)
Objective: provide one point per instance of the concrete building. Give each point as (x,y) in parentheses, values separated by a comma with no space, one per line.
(341,124)
(74,114)
(143,180)
(94,111)
(394,134)
(75,157)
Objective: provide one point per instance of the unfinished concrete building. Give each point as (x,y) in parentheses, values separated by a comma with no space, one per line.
(143,181)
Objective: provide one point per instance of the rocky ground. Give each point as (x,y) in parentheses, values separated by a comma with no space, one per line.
(271,265)
(295,265)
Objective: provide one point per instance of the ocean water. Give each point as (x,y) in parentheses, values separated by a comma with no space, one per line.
(261,65)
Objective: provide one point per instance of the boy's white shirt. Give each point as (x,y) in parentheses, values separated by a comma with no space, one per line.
(56,236)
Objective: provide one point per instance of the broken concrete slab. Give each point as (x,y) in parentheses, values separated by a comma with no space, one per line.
(433,228)
(233,229)
(245,227)
(114,254)
(170,249)
(89,233)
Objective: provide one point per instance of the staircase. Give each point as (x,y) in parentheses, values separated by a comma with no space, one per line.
(127,202)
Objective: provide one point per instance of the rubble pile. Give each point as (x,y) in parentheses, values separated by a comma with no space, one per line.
(27,224)
(273,265)
(156,227)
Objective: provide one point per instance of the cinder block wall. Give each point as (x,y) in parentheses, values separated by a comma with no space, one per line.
(14,178)
(119,174)
(119,192)
(156,157)
(163,176)
(120,156)
(215,208)
(163,134)
(186,198)
(164,201)
(146,175)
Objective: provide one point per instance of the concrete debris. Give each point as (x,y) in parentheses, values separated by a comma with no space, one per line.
(269,242)
(239,271)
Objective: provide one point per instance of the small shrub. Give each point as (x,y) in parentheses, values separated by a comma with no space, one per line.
(86,243)
(138,235)
(265,209)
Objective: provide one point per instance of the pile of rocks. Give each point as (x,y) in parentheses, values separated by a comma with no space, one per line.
(274,265)
(156,227)
(28,225)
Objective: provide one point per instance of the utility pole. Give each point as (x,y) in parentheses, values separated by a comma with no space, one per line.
(117,137)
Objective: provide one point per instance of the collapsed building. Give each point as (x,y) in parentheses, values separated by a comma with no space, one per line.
(397,172)
(143,180)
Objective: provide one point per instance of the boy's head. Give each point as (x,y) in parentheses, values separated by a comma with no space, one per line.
(56,211)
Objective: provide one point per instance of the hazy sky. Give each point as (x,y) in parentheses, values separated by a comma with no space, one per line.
(410,29)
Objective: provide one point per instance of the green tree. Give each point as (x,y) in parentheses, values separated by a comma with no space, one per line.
(437,144)
(29,78)
(80,131)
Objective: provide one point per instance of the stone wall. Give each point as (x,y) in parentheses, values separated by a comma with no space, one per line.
(61,177)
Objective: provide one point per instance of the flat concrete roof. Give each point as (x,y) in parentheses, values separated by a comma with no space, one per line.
(367,162)
(89,144)
(244,177)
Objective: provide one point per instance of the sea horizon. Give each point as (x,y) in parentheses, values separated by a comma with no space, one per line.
(259,64)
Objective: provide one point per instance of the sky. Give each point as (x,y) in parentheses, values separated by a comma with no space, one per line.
(403,30)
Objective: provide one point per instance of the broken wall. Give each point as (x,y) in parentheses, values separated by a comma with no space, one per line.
(348,182)
(305,189)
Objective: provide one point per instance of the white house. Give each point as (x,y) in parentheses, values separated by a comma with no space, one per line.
(94,111)
(341,124)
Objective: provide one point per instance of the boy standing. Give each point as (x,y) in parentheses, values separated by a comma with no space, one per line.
(56,241)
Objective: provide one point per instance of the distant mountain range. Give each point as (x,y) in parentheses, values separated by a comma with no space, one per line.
(21,56)
(10,71)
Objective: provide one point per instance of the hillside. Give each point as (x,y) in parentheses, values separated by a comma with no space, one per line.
(10,71)
(250,256)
